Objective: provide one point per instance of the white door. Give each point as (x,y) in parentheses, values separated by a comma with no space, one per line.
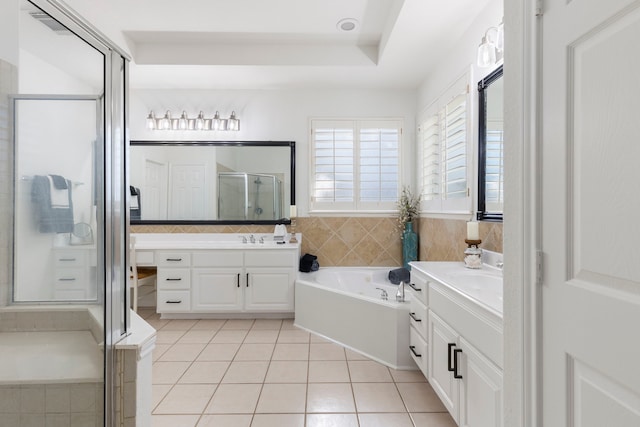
(590,207)
(154,191)
(187,196)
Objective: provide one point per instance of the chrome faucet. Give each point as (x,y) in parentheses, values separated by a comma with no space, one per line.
(383,294)
(400,293)
(252,239)
(261,239)
(244,239)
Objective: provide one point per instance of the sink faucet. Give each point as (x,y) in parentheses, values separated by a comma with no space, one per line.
(261,239)
(383,294)
(244,239)
(252,239)
(499,264)
(400,293)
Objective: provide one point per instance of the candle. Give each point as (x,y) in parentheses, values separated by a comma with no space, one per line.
(473,232)
(293,212)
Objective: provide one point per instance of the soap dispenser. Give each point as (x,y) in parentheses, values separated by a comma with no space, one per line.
(400,293)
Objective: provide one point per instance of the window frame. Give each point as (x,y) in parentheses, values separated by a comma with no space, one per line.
(483,213)
(440,204)
(355,206)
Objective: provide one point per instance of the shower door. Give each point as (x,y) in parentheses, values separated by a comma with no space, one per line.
(62,220)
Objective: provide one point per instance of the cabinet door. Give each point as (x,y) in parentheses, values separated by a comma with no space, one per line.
(216,289)
(441,335)
(481,389)
(269,289)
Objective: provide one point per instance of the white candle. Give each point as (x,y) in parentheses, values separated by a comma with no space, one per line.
(473,233)
(293,211)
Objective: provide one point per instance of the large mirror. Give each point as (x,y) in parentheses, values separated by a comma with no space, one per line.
(216,182)
(491,150)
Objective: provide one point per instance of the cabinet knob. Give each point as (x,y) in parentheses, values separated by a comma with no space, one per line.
(174,259)
(173,302)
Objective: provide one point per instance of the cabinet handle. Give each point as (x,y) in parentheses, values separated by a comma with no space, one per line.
(413,316)
(413,286)
(174,259)
(247,280)
(67,279)
(174,302)
(238,279)
(450,356)
(455,364)
(413,350)
(67,259)
(172,279)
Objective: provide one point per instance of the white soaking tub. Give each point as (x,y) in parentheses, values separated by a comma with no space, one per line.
(344,305)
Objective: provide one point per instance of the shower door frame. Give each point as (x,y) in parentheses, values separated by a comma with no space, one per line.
(114,215)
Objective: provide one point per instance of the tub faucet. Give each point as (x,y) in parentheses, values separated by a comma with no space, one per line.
(400,293)
(383,294)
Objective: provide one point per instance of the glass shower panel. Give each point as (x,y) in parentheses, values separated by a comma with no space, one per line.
(55,257)
(245,196)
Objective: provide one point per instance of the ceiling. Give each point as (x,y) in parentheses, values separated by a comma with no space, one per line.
(260,44)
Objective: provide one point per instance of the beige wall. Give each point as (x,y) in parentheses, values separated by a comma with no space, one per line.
(358,241)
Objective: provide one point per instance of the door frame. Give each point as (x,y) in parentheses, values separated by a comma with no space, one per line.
(522,314)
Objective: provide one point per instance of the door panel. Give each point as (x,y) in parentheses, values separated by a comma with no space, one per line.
(591,286)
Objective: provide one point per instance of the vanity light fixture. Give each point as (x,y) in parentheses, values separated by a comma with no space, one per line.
(491,49)
(199,123)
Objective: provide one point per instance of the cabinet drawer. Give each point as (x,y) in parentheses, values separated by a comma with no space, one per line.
(418,350)
(145,258)
(217,259)
(70,278)
(173,301)
(174,278)
(69,258)
(418,318)
(267,258)
(174,259)
(419,286)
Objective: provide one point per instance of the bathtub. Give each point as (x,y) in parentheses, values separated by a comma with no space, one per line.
(343,305)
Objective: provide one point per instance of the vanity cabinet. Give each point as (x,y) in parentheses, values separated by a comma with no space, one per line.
(226,280)
(74,273)
(461,354)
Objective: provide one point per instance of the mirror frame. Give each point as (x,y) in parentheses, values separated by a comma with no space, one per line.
(292,163)
(483,214)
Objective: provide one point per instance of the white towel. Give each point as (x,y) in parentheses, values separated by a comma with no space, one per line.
(59,198)
(134,203)
(279,232)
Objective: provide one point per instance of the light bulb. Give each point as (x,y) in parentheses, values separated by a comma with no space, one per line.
(166,121)
(151,121)
(233,123)
(216,123)
(183,122)
(200,121)
(500,36)
(486,53)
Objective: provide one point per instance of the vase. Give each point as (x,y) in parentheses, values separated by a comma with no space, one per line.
(409,245)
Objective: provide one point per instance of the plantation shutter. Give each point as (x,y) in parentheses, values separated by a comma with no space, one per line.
(494,178)
(454,149)
(430,141)
(355,165)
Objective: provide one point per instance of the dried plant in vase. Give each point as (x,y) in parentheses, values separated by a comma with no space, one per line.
(408,208)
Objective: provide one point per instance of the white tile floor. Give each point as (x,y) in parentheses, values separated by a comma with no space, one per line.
(262,373)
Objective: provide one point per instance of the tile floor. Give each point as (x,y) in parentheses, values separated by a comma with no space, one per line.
(261,373)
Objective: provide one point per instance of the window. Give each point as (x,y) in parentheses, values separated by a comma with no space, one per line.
(355,165)
(443,140)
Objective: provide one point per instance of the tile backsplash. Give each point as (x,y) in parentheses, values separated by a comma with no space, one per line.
(362,241)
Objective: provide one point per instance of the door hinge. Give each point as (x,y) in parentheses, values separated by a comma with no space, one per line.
(539,11)
(539,267)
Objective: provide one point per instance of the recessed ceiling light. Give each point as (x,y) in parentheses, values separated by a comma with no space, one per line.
(347,24)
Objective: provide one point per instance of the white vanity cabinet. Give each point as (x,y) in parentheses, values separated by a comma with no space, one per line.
(207,277)
(72,277)
(418,320)
(463,345)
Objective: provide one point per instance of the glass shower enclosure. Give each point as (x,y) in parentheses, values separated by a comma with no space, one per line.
(248,196)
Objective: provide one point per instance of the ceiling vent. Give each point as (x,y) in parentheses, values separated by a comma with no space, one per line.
(47,20)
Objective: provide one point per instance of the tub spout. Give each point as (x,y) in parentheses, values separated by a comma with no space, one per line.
(383,294)
(400,293)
